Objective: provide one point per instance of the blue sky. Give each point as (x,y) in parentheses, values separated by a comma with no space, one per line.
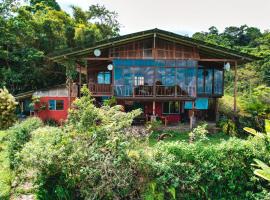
(182,16)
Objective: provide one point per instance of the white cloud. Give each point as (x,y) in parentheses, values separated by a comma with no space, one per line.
(183,16)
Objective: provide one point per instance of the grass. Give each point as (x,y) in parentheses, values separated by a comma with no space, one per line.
(5,172)
(178,136)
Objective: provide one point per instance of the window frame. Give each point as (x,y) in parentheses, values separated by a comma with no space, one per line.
(104,73)
(138,80)
(170,113)
(55,105)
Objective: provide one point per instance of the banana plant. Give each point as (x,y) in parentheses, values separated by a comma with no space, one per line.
(263,170)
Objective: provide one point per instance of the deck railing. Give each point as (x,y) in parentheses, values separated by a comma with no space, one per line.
(100,89)
(141,90)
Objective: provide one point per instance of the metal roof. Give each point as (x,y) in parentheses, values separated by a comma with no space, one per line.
(201,45)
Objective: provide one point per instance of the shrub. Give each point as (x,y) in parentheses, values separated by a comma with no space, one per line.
(199,133)
(99,162)
(91,156)
(45,154)
(7,109)
(198,171)
(20,134)
(153,125)
(51,122)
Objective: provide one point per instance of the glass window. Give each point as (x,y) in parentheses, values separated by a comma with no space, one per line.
(56,104)
(218,81)
(190,81)
(138,80)
(104,78)
(208,73)
(165,76)
(200,87)
(51,104)
(59,105)
(171,107)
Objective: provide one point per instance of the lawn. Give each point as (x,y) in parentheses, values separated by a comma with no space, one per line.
(5,173)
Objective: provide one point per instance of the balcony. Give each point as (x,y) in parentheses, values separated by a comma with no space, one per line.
(100,89)
(142,91)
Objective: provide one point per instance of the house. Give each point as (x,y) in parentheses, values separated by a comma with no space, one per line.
(167,75)
(49,103)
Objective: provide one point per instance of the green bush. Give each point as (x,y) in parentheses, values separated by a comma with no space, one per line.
(7,109)
(90,158)
(199,133)
(199,171)
(20,134)
(45,154)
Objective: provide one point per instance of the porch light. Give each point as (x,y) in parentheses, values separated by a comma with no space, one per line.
(110,67)
(227,66)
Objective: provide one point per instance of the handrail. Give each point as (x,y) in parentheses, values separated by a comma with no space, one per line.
(141,90)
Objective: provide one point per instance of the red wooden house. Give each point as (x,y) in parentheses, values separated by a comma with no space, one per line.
(53,103)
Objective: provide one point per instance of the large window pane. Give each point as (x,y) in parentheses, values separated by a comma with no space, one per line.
(218,84)
(190,81)
(59,105)
(104,78)
(171,107)
(200,87)
(208,73)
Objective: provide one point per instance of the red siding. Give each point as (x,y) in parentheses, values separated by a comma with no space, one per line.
(58,115)
(172,118)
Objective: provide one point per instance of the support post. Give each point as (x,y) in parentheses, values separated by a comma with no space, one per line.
(191,116)
(235,89)
(216,110)
(154,108)
(80,80)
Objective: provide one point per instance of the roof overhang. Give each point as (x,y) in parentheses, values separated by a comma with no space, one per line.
(207,48)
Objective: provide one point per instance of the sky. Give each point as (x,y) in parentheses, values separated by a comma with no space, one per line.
(182,16)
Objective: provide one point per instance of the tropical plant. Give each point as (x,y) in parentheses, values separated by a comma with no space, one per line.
(263,171)
(7,109)
(19,134)
(89,157)
(199,133)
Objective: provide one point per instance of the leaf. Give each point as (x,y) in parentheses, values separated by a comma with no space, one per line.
(263,174)
(267,126)
(172,192)
(252,131)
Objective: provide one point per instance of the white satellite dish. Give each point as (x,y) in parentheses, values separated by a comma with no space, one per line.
(110,67)
(227,66)
(97,52)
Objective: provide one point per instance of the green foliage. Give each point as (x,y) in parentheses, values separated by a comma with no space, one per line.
(20,134)
(110,102)
(228,126)
(199,133)
(50,3)
(258,104)
(44,155)
(30,31)
(264,171)
(213,171)
(153,125)
(7,109)
(89,157)
(6,175)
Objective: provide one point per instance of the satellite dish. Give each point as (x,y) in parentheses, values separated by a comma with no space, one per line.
(227,66)
(110,67)
(97,52)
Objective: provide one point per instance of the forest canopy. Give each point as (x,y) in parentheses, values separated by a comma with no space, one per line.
(31,30)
